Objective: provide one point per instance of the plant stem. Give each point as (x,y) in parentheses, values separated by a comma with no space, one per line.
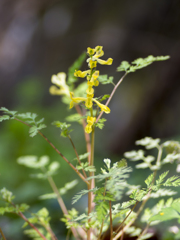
(101,230)
(111,224)
(2,234)
(144,231)
(86,135)
(112,93)
(127,216)
(61,203)
(50,143)
(26,220)
(77,155)
(91,181)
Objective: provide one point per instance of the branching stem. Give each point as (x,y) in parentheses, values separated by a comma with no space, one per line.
(112,94)
(2,234)
(77,155)
(50,143)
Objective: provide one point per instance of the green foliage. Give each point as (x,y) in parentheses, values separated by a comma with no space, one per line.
(68,186)
(103,79)
(139,63)
(100,123)
(63,127)
(103,207)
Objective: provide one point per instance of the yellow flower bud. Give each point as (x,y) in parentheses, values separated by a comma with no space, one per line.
(88,128)
(92,64)
(90,51)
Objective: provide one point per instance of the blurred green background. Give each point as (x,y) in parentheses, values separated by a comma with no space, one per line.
(44,37)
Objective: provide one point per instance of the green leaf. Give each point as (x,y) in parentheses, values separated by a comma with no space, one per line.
(142,165)
(165,214)
(103,79)
(173,181)
(104,97)
(124,66)
(82,156)
(33,131)
(4,117)
(74,118)
(148,142)
(162,177)
(100,123)
(64,128)
(32,161)
(149,180)
(5,110)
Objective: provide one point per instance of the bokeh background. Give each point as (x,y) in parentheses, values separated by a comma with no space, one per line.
(44,37)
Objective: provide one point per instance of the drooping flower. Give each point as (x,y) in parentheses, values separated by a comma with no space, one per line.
(61,87)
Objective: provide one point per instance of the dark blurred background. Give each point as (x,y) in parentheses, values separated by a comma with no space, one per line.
(39,38)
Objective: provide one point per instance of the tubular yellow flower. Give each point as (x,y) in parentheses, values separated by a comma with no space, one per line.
(103,107)
(75,100)
(60,81)
(107,62)
(81,74)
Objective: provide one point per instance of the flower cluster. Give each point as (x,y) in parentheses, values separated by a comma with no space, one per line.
(91,75)
(92,81)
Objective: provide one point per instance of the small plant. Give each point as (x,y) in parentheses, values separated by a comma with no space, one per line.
(105,207)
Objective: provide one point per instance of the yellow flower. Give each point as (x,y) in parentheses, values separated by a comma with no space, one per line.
(107,62)
(75,100)
(88,128)
(90,90)
(89,103)
(90,121)
(60,81)
(99,52)
(92,64)
(90,51)
(103,107)
(81,74)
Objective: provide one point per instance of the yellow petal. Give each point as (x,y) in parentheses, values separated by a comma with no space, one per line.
(95,75)
(81,74)
(92,64)
(90,51)
(91,120)
(88,128)
(90,90)
(107,62)
(59,79)
(88,103)
(99,52)
(54,90)
(103,107)
(71,104)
